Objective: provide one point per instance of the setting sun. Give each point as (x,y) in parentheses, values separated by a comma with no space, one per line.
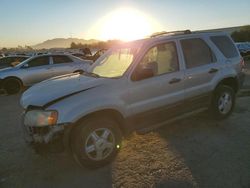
(125,24)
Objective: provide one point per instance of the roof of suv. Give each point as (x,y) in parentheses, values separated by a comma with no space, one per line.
(170,35)
(157,37)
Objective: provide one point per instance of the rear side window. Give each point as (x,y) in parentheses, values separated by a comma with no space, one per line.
(58,59)
(196,52)
(225,45)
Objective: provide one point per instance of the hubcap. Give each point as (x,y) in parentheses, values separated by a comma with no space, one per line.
(225,103)
(99,144)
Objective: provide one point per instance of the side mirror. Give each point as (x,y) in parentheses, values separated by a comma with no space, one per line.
(25,66)
(145,71)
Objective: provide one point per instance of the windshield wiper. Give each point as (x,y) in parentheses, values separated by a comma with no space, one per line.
(91,74)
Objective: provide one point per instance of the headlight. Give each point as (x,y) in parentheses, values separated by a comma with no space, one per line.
(40,118)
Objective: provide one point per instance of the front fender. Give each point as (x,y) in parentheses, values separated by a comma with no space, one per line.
(72,109)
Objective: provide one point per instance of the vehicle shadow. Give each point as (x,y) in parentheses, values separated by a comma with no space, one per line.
(214,152)
(30,169)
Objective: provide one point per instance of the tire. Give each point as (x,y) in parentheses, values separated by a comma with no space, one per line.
(88,143)
(12,86)
(223,102)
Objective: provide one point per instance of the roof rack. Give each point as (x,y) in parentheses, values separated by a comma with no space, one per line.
(181,32)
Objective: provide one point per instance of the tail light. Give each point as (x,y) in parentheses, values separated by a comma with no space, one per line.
(242,63)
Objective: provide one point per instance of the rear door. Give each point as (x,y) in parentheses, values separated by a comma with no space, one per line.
(201,68)
(159,97)
(62,64)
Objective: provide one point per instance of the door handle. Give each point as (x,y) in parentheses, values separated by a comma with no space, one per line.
(212,70)
(174,80)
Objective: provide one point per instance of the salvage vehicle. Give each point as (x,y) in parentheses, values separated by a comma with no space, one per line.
(244,48)
(136,86)
(39,68)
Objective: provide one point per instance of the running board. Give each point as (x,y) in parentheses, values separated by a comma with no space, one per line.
(155,126)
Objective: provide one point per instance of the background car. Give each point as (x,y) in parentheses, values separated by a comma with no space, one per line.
(90,56)
(244,48)
(39,68)
(12,60)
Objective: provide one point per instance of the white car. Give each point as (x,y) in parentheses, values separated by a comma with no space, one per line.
(39,68)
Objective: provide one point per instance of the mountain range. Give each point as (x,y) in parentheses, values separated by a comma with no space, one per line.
(62,43)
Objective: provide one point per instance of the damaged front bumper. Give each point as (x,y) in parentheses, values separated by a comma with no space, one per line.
(43,135)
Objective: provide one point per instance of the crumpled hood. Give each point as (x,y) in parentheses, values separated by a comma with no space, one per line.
(56,88)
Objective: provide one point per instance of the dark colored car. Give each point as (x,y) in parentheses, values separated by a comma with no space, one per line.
(11,60)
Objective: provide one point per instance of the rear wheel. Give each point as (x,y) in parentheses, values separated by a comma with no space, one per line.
(96,141)
(12,86)
(223,102)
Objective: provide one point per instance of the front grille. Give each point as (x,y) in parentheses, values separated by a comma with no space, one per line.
(38,130)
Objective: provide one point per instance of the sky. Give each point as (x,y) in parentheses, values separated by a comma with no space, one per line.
(28,22)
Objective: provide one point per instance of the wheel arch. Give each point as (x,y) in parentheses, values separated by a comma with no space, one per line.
(111,113)
(231,82)
(13,77)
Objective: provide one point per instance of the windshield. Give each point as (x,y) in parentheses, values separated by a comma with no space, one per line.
(24,62)
(114,62)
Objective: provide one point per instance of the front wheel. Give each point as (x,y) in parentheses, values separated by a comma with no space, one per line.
(223,102)
(12,86)
(95,141)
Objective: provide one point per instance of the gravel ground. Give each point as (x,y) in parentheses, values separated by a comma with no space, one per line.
(195,152)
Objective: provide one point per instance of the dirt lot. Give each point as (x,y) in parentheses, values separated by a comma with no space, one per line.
(196,152)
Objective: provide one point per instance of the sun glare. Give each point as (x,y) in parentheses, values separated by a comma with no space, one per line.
(125,24)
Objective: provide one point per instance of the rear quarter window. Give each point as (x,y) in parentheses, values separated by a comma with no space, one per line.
(225,45)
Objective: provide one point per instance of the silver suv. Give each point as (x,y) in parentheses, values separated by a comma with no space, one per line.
(135,86)
(39,68)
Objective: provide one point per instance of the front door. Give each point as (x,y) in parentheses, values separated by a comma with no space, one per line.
(157,97)
(37,70)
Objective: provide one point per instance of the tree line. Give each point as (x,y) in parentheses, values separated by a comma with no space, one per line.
(243,35)
(98,45)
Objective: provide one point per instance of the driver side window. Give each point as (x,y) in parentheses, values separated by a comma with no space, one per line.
(161,59)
